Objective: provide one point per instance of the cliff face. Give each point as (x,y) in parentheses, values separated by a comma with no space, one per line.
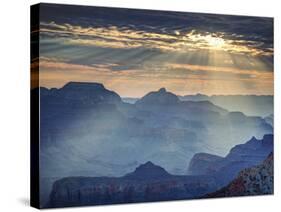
(147,183)
(257,180)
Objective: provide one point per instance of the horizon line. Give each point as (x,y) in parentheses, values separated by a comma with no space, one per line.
(136,97)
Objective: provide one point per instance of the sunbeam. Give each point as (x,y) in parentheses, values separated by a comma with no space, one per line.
(186,59)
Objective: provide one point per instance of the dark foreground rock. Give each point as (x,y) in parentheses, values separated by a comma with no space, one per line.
(147,183)
(257,180)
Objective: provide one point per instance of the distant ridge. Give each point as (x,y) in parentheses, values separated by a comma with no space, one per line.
(253,105)
(160,97)
(81,92)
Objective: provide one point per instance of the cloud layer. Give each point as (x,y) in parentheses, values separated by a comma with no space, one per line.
(135,51)
(180,41)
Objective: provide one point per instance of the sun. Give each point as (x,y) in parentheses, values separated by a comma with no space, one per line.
(211,41)
(215,42)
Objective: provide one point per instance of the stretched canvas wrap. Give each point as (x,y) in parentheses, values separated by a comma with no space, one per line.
(132,105)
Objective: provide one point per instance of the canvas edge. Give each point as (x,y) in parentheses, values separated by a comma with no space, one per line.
(34,108)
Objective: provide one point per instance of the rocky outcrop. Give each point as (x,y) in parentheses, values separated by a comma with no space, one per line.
(160,97)
(257,180)
(148,171)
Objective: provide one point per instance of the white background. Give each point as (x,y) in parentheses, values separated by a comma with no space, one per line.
(14,103)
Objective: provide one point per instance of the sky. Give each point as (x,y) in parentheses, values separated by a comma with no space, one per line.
(134,52)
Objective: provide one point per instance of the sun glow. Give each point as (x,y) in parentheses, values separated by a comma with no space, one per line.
(215,42)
